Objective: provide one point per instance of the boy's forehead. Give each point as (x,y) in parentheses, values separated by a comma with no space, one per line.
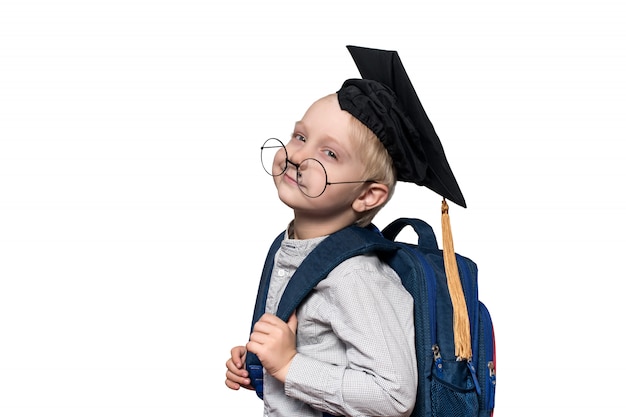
(326,118)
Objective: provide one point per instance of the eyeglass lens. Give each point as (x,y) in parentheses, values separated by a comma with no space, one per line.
(274,157)
(310,173)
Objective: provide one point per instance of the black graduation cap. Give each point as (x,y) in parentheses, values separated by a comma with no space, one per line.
(386,102)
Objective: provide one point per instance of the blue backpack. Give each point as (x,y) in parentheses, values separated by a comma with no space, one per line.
(446,386)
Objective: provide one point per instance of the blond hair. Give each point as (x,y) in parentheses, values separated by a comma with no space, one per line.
(378,164)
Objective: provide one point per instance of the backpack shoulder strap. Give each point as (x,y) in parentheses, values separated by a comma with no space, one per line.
(264,284)
(253,363)
(336,248)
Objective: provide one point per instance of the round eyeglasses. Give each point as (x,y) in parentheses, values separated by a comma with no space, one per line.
(311,175)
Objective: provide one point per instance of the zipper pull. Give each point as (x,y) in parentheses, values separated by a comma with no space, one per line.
(472,369)
(492,372)
(438,359)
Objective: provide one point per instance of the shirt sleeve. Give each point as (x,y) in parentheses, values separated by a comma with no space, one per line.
(372,315)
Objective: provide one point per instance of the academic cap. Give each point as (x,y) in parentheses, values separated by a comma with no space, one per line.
(386,102)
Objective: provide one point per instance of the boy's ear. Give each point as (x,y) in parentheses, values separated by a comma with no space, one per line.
(373,196)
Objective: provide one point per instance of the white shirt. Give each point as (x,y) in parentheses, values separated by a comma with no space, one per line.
(355,341)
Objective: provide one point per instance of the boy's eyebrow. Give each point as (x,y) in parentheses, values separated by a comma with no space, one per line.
(300,124)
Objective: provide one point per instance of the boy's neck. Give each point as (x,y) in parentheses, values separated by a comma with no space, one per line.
(305,227)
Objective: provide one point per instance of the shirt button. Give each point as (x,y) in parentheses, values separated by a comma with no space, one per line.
(281,272)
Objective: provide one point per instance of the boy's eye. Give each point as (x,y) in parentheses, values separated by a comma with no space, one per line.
(330,153)
(299,137)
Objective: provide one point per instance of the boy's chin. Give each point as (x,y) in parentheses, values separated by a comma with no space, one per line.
(295,200)
(290,200)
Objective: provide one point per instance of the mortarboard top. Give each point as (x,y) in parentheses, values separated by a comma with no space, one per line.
(386,102)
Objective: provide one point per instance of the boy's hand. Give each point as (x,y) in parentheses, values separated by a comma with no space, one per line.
(236,375)
(274,342)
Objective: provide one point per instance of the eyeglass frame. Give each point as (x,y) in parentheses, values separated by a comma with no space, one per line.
(326,183)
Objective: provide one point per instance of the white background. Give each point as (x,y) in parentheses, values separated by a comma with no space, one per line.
(135,217)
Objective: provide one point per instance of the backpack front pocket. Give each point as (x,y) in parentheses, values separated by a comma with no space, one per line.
(453,391)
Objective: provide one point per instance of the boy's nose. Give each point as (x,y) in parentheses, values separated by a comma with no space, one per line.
(295,157)
(294,164)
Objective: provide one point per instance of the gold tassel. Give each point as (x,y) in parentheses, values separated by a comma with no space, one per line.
(462,340)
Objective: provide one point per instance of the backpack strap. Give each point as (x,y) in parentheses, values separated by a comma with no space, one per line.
(253,364)
(336,248)
(332,251)
(264,284)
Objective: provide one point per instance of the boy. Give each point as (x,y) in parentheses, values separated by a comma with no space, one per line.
(350,349)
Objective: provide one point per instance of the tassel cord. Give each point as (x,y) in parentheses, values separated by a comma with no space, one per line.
(462,339)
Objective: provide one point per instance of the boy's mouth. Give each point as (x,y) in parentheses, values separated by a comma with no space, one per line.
(290,178)
(291,171)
